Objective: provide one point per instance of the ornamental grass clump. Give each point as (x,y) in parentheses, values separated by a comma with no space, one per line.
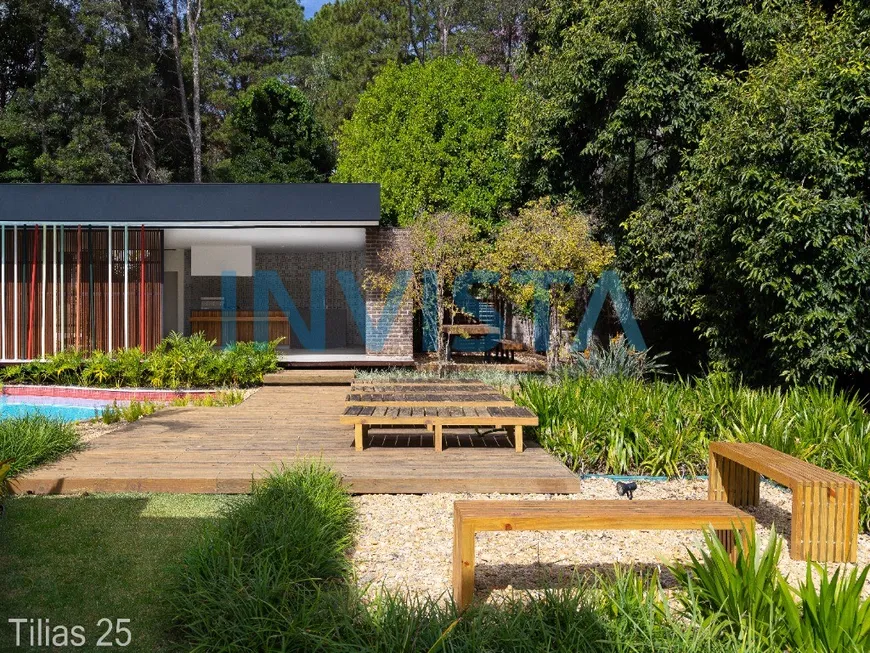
(33,439)
(260,579)
(754,602)
(622,425)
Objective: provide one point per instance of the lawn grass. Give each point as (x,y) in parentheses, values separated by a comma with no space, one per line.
(75,560)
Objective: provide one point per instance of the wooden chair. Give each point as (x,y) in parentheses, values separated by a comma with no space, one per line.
(470,517)
(824,515)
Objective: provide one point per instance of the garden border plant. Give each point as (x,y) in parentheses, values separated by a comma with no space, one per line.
(176,362)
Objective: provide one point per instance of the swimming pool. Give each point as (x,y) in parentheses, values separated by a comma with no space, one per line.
(68,410)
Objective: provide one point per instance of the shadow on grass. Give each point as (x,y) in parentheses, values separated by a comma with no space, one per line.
(76,560)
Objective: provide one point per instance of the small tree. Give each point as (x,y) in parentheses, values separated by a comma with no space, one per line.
(547,237)
(440,247)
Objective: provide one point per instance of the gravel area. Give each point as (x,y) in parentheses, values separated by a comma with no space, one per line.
(405,542)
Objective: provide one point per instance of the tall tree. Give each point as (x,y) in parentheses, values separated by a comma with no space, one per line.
(247,41)
(618,90)
(353,41)
(193,127)
(95,109)
(764,237)
(433,136)
(274,137)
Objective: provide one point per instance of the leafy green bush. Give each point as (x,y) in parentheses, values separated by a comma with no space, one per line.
(34,439)
(831,618)
(621,425)
(177,362)
(746,592)
(753,598)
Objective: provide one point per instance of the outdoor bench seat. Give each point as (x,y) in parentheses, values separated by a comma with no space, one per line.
(824,517)
(511,417)
(470,517)
(504,347)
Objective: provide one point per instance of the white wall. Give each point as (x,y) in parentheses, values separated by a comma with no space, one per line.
(214,260)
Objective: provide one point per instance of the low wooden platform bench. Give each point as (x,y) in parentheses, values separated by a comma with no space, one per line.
(824,513)
(470,517)
(513,418)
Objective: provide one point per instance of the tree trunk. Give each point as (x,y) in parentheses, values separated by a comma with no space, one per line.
(192,29)
(194,129)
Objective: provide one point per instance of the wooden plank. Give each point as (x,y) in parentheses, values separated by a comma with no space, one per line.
(220,449)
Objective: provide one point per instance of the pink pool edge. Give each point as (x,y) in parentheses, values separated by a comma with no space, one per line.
(104,394)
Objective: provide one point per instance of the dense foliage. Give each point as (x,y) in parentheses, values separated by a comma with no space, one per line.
(764,239)
(273,137)
(177,362)
(621,425)
(758,604)
(433,136)
(34,439)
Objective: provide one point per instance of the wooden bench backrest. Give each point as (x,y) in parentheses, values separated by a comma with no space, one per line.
(775,465)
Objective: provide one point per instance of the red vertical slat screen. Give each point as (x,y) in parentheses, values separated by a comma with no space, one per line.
(145,289)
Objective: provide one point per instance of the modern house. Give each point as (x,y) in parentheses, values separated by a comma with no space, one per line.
(121,265)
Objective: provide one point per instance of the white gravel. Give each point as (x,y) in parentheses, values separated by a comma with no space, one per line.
(405,541)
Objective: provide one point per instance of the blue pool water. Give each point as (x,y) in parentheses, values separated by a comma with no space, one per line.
(68,410)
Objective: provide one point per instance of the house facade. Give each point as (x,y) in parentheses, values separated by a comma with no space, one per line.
(122,265)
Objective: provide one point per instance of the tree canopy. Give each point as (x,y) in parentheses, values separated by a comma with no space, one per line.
(433,136)
(273,137)
(764,239)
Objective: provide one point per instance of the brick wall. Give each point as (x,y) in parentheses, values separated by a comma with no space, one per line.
(400,340)
(294,270)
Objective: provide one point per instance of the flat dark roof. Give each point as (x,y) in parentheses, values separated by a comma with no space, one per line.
(192,205)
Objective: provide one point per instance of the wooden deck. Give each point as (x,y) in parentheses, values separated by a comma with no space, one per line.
(219,450)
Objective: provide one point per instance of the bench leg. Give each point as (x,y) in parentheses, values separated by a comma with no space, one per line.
(732,482)
(359,432)
(746,533)
(518,438)
(439,438)
(463,563)
(824,522)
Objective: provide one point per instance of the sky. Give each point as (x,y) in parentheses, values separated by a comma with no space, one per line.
(311,6)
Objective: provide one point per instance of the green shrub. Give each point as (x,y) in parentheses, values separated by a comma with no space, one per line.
(256,581)
(129,413)
(621,425)
(34,439)
(832,618)
(177,362)
(753,598)
(617,359)
(745,592)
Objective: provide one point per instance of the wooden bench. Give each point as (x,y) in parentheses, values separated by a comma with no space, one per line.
(470,517)
(508,347)
(824,516)
(513,418)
